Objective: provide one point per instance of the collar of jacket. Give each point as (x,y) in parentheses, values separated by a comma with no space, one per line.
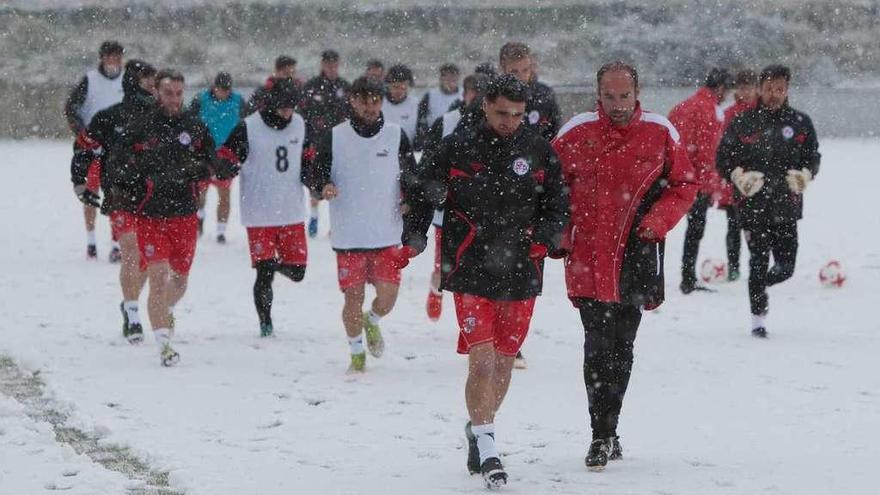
(390,100)
(367,130)
(273,120)
(496,140)
(140,98)
(708,95)
(104,72)
(615,130)
(767,112)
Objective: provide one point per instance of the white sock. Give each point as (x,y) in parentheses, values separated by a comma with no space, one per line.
(485,440)
(171,310)
(201,214)
(221,228)
(131,310)
(758,321)
(313,212)
(90,237)
(163,336)
(373,317)
(356,344)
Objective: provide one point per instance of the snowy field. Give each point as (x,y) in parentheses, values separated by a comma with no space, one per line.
(710,409)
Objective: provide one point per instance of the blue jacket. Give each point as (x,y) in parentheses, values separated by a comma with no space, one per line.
(220,117)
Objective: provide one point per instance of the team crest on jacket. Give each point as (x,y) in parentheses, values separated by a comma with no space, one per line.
(340,93)
(534,117)
(787,132)
(520,166)
(469,324)
(184,138)
(149,250)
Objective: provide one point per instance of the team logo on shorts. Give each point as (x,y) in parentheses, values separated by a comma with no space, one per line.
(258,247)
(469,324)
(343,273)
(520,166)
(534,117)
(184,138)
(149,250)
(787,132)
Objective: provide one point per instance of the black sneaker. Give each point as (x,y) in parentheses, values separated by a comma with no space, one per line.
(616,449)
(473,459)
(221,238)
(733,274)
(124,319)
(493,473)
(115,255)
(135,333)
(597,456)
(91,252)
(520,362)
(687,287)
(759,332)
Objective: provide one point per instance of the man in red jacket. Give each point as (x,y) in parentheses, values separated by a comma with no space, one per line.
(745,96)
(699,121)
(630,182)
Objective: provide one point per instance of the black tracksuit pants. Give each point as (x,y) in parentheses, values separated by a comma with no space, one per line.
(734,238)
(782,241)
(609,335)
(696,226)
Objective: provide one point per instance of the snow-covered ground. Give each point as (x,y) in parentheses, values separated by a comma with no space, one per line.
(710,409)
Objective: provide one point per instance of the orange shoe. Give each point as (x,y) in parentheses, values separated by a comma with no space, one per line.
(434,305)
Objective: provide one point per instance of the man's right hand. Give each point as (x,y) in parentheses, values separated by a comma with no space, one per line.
(87,197)
(748,183)
(329,191)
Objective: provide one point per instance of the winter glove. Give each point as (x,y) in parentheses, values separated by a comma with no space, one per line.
(646,234)
(748,183)
(538,252)
(87,197)
(798,179)
(400,256)
(224,169)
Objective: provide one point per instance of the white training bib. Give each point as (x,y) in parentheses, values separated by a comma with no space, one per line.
(405,114)
(439,103)
(366,171)
(271,191)
(102,93)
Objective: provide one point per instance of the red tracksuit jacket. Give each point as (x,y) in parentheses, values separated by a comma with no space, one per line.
(621,180)
(698,122)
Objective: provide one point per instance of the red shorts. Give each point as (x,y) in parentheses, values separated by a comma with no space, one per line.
(285,243)
(168,239)
(355,268)
(438,238)
(121,223)
(481,320)
(93,176)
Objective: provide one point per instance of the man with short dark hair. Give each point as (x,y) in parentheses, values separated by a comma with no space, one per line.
(284,68)
(505,207)
(357,169)
(699,121)
(171,154)
(324,105)
(375,70)
(745,97)
(102,143)
(542,111)
(220,108)
(630,183)
(100,88)
(438,101)
(270,150)
(770,154)
(399,107)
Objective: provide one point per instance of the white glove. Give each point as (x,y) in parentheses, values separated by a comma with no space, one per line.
(748,183)
(798,180)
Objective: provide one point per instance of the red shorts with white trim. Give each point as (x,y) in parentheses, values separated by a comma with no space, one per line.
(284,243)
(503,323)
(355,268)
(121,223)
(168,239)
(93,176)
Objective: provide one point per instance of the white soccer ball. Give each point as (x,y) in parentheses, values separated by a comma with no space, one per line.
(713,271)
(832,274)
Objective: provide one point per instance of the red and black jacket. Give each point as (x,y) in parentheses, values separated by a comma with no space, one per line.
(168,157)
(500,196)
(623,181)
(771,142)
